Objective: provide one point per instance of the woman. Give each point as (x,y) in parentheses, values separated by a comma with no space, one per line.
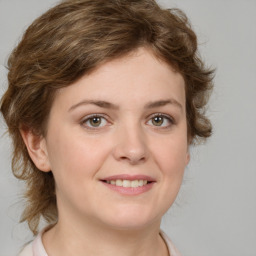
(104,99)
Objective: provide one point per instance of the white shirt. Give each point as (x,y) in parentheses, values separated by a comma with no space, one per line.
(36,247)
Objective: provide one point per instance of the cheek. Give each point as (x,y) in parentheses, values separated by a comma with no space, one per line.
(76,155)
(172,157)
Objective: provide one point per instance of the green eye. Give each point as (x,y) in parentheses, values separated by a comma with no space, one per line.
(95,121)
(161,121)
(157,120)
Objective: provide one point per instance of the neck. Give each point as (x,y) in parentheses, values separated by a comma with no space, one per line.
(90,238)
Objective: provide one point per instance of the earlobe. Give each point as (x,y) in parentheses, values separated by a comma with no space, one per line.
(36,146)
(187,158)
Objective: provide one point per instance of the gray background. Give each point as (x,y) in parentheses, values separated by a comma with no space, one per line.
(215,213)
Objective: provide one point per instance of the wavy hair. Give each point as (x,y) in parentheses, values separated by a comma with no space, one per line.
(72,39)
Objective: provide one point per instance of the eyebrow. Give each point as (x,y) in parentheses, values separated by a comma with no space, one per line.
(161,103)
(108,105)
(99,103)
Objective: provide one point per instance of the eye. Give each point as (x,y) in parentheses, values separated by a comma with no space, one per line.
(95,121)
(160,120)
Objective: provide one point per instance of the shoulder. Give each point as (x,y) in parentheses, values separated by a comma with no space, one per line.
(34,248)
(173,251)
(27,250)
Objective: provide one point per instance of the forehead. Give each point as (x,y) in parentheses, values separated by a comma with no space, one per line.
(136,77)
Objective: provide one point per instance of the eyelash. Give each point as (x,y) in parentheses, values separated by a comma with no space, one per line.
(170,120)
(90,117)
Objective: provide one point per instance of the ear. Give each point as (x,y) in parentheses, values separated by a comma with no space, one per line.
(187,157)
(36,146)
(188,149)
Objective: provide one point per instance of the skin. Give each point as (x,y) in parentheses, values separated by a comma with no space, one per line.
(126,140)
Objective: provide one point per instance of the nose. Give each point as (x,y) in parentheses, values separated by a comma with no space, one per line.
(130,145)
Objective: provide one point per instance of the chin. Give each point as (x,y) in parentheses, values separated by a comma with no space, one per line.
(131,220)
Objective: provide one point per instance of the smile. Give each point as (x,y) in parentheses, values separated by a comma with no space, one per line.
(128,183)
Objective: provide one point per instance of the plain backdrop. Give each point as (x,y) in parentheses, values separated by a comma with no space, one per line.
(215,213)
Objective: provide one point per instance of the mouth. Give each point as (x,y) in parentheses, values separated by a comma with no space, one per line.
(128,183)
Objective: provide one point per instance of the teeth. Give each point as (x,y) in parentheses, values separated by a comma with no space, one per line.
(128,183)
(140,183)
(134,184)
(119,183)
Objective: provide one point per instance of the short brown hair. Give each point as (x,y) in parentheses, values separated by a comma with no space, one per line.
(72,39)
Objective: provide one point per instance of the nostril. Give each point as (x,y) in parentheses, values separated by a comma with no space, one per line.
(130,150)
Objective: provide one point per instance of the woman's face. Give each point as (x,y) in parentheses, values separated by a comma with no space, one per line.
(117,142)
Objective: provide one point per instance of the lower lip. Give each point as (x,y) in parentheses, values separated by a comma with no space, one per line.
(130,191)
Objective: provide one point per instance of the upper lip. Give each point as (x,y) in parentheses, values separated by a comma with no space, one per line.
(129,177)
